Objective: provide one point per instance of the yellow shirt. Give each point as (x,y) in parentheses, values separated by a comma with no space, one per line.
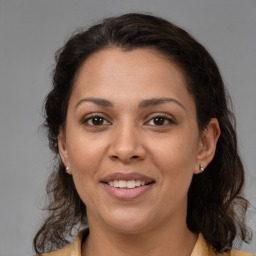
(201,248)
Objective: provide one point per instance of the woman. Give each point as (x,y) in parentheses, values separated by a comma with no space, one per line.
(148,158)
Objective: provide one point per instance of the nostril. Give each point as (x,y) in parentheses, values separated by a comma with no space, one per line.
(125,159)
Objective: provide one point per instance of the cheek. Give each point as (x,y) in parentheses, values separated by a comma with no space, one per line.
(175,157)
(85,155)
(177,150)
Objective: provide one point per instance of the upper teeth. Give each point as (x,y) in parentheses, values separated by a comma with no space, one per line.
(126,184)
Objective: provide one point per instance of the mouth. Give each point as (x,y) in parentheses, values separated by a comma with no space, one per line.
(130,184)
(127,186)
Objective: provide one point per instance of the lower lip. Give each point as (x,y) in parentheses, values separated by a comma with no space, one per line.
(127,194)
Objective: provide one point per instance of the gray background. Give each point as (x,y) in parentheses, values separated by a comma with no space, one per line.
(32,30)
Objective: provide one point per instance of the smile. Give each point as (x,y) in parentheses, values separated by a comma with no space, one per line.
(126,184)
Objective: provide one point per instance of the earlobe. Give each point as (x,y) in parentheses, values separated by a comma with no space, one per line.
(63,151)
(208,144)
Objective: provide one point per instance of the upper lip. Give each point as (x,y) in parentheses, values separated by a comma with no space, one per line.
(127,176)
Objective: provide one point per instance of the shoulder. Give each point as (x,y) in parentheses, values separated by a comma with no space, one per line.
(73,249)
(236,253)
(66,251)
(202,248)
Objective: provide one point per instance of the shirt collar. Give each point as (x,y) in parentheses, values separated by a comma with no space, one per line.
(201,247)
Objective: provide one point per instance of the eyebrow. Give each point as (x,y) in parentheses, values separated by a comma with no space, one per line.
(143,104)
(97,101)
(158,101)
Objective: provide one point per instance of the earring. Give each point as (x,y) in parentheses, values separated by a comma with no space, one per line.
(67,169)
(201,168)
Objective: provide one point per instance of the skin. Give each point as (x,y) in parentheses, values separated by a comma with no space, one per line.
(129,138)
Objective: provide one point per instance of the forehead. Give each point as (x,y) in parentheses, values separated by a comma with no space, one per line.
(117,62)
(130,75)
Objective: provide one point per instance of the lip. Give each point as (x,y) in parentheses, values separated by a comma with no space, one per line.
(126,177)
(124,193)
(127,194)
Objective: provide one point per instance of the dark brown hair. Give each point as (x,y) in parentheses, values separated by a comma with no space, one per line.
(215,205)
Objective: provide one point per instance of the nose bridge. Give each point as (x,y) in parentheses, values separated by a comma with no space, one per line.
(126,144)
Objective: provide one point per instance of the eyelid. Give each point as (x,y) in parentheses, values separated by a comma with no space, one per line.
(166,116)
(149,117)
(89,116)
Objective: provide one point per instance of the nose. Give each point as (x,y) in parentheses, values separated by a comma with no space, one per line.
(126,144)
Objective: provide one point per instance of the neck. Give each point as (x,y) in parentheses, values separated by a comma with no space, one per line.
(162,240)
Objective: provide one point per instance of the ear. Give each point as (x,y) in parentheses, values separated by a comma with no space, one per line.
(63,151)
(207,145)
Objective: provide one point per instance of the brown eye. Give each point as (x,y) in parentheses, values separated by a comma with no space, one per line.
(160,121)
(96,121)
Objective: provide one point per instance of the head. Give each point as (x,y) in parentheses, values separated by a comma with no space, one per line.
(213,195)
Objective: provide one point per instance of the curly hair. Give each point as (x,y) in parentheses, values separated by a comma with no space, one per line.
(216,207)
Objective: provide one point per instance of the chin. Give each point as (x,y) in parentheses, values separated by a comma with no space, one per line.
(129,221)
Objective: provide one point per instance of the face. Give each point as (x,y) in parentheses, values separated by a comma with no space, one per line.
(131,139)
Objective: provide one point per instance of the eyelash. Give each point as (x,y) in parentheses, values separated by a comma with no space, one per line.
(163,116)
(93,116)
